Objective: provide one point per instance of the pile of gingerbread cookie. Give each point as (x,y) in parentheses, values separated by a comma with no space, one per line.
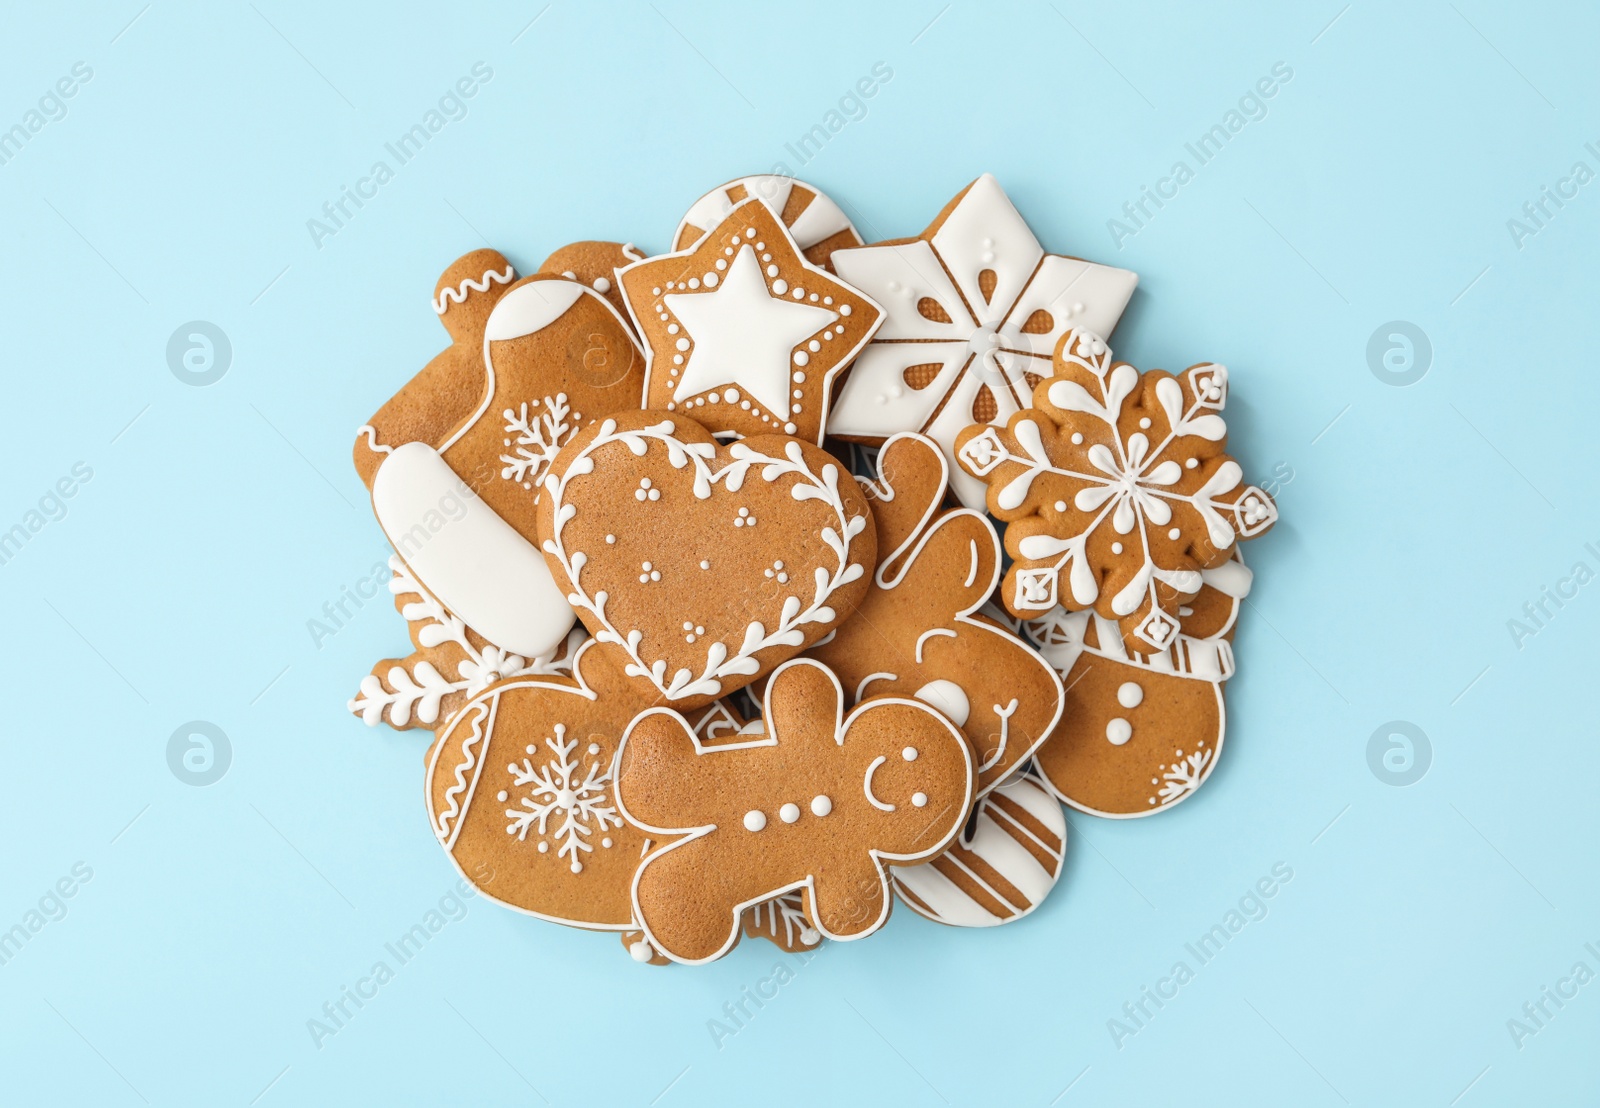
(756,585)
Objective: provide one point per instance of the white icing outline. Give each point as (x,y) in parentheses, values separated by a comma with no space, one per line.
(881,675)
(918,539)
(458,294)
(719,662)
(882,860)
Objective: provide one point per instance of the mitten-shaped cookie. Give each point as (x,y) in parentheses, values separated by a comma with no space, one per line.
(519,787)
(459,506)
(818,803)
(448,388)
(1116,490)
(915,634)
(697,566)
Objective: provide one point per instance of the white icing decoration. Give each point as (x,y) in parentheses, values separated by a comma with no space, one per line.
(1129,485)
(910,752)
(372,439)
(561,786)
(1129,694)
(795,614)
(420,691)
(947,697)
(1118,731)
(789,813)
(754,821)
(448,296)
(789,911)
(866,785)
(742,335)
(919,800)
(821,806)
(476,564)
(545,430)
(984,343)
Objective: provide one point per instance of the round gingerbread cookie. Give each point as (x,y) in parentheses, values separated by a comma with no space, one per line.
(819,226)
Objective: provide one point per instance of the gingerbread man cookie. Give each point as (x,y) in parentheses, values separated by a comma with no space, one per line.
(817,224)
(975,307)
(742,332)
(519,786)
(698,567)
(1116,490)
(915,633)
(818,804)
(458,505)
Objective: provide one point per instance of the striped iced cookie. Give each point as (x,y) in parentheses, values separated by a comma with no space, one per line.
(1001,868)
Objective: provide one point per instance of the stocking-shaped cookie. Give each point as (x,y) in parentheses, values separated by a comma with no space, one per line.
(519,787)
(915,633)
(459,505)
(818,803)
(1141,731)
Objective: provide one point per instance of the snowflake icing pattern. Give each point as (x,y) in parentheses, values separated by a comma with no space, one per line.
(974,311)
(577,797)
(1120,481)
(539,437)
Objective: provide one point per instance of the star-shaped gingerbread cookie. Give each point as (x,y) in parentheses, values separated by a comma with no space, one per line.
(742,332)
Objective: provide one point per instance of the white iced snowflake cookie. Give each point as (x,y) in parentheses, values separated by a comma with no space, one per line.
(974,311)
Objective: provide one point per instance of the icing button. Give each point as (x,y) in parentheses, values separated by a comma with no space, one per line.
(821,806)
(754,820)
(789,813)
(1118,731)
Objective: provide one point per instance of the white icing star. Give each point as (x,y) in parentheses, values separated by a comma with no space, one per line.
(743,335)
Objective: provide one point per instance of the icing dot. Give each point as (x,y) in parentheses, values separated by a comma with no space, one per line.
(501,796)
(1077,439)
(789,428)
(639,951)
(789,813)
(656,291)
(827,300)
(799,378)
(705,565)
(610,539)
(799,294)
(577,866)
(606,842)
(1145,423)
(909,754)
(728,250)
(919,800)
(1130,694)
(844,309)
(821,805)
(1061,505)
(813,346)
(594,748)
(694,282)
(779,287)
(682,344)
(731,396)
(1118,731)
(801,357)
(544,848)
(754,821)
(765,257)
(602,285)
(714,398)
(1116,548)
(1173,534)
(745,404)
(672,328)
(750,232)
(799,395)
(812,298)
(677,359)
(1191,463)
(772,270)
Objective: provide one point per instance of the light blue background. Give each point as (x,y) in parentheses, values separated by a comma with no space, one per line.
(219,920)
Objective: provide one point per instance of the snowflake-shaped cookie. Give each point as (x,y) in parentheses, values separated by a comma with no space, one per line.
(1119,483)
(974,308)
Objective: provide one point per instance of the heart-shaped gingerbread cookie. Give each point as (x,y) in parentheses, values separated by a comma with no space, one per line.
(699,567)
